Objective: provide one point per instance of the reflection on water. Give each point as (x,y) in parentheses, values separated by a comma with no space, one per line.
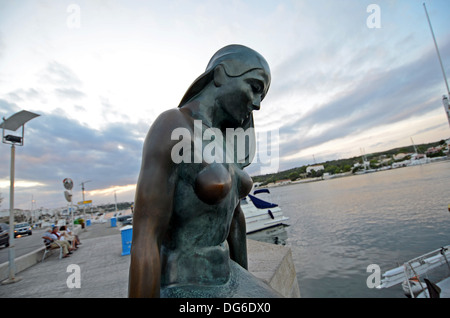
(340,226)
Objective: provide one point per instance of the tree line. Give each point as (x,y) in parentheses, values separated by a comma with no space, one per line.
(341,165)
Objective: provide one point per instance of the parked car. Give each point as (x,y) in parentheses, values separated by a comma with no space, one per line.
(4,234)
(128,221)
(22,228)
(125,219)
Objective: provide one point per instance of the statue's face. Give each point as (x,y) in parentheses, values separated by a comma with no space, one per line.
(239,96)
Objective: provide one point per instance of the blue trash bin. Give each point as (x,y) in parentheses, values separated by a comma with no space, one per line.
(113,222)
(88,222)
(127,235)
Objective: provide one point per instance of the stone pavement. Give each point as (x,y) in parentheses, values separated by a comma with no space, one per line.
(103,271)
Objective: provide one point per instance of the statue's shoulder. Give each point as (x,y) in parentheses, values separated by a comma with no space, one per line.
(166,123)
(172,117)
(159,139)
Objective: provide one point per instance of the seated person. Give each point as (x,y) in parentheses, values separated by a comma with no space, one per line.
(65,235)
(76,236)
(51,237)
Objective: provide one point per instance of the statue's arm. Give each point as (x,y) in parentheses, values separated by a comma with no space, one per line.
(153,208)
(237,238)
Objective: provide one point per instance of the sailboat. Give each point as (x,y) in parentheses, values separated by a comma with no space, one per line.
(417,158)
(409,273)
(445,100)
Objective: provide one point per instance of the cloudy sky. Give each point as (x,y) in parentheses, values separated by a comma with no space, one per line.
(345,76)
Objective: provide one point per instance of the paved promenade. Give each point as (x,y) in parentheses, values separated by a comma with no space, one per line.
(103,271)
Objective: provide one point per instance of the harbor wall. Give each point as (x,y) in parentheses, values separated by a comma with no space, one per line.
(274,265)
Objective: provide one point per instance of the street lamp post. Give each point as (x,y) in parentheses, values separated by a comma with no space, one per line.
(84,201)
(13,123)
(68,184)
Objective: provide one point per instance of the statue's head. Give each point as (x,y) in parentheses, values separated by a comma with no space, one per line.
(240,78)
(235,60)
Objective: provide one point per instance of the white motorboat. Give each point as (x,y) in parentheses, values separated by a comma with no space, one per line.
(410,273)
(260,214)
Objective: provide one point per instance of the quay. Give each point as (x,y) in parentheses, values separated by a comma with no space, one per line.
(103,271)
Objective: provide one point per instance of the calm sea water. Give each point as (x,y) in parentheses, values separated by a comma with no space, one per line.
(338,227)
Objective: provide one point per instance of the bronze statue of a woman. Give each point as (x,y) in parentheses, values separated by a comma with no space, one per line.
(189,236)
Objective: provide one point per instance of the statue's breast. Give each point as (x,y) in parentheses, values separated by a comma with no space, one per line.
(215,181)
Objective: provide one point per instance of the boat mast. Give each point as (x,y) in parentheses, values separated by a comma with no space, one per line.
(415,149)
(445,100)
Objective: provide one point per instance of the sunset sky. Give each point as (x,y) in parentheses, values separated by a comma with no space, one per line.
(100,72)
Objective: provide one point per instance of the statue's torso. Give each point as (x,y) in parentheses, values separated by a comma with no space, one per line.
(195,248)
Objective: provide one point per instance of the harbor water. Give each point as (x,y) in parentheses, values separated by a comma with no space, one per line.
(338,227)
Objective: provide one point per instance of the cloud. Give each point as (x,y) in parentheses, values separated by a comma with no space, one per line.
(380,97)
(2,45)
(99,87)
(59,74)
(69,93)
(7,108)
(57,147)
(23,94)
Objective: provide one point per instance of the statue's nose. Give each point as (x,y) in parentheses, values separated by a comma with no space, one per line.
(256,105)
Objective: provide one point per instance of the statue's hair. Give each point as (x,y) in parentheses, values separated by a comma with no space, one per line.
(236,60)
